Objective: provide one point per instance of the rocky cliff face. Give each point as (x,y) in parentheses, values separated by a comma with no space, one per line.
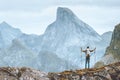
(114,47)
(113,51)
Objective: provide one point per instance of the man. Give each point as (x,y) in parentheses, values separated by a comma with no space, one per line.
(87,52)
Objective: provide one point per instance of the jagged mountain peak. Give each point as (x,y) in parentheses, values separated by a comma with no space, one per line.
(71,26)
(64,13)
(67,16)
(18,54)
(4,25)
(67,34)
(7,27)
(8,33)
(106,35)
(109,32)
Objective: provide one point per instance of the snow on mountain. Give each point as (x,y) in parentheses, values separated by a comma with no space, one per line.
(67,34)
(106,37)
(32,41)
(23,50)
(7,34)
(18,55)
(50,62)
(69,29)
(57,49)
(2,54)
(102,45)
(1,41)
(46,61)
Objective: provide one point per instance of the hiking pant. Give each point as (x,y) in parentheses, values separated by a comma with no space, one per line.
(87,61)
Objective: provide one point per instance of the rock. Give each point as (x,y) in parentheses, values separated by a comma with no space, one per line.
(109,72)
(21,74)
(99,64)
(112,54)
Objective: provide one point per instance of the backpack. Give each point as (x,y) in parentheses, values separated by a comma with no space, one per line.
(87,52)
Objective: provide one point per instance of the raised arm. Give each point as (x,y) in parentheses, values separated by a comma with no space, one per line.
(93,50)
(83,50)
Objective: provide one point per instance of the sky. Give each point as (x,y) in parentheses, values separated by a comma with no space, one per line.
(33,16)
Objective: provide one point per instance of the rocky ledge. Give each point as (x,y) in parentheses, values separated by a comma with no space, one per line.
(8,73)
(108,72)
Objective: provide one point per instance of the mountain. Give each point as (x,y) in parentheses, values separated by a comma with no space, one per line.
(57,49)
(32,41)
(23,50)
(106,38)
(2,54)
(103,44)
(67,34)
(18,55)
(112,51)
(50,62)
(70,30)
(7,34)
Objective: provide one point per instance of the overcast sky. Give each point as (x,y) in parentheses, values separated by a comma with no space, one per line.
(33,16)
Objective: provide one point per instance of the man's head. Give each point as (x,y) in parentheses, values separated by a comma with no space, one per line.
(87,46)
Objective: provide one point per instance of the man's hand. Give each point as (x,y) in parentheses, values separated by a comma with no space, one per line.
(81,49)
(95,49)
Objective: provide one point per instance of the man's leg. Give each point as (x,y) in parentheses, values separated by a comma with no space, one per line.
(85,63)
(88,62)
